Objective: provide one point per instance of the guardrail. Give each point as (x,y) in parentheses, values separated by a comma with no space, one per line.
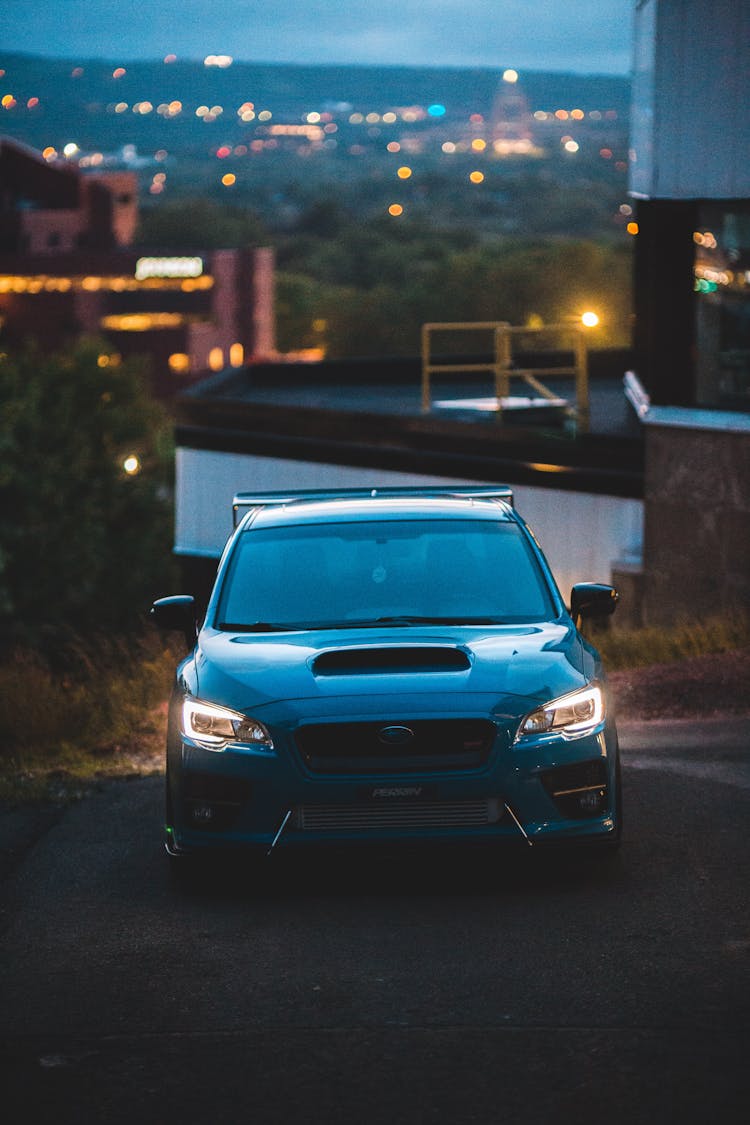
(503,365)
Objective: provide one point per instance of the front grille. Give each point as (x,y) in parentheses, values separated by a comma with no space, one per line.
(396,746)
(399,813)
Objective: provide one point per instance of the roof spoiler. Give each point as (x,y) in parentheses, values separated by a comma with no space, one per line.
(243,501)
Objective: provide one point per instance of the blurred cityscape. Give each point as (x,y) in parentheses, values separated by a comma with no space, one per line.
(384,197)
(458,147)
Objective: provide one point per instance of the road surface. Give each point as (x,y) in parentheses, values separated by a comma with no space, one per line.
(416,990)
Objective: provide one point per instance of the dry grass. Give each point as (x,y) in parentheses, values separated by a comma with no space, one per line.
(98,711)
(638,648)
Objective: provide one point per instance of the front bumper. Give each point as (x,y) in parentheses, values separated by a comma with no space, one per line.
(547,790)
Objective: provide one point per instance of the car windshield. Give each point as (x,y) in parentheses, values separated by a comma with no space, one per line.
(397,572)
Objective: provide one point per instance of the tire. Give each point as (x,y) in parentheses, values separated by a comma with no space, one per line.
(612,844)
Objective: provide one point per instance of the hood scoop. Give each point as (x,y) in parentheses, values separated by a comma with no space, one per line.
(374,660)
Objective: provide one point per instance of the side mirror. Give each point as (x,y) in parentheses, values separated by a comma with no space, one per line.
(176,613)
(592,599)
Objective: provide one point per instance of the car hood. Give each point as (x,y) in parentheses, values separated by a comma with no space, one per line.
(516,665)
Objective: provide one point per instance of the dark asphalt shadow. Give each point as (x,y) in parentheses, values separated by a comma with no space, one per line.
(398,873)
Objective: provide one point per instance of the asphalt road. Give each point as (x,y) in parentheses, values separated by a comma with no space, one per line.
(415,990)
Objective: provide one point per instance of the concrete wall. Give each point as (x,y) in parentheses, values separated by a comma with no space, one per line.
(582,534)
(690,129)
(696,551)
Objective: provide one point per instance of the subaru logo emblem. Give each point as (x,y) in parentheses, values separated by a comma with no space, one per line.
(395,736)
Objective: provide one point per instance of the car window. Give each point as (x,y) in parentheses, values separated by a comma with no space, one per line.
(337,573)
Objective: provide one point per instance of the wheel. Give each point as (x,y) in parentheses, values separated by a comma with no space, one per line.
(612,843)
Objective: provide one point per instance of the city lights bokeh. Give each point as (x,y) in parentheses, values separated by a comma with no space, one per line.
(468,145)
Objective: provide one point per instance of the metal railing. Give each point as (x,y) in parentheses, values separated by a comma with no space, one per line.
(502,365)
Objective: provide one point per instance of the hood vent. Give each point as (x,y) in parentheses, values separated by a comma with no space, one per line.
(374,661)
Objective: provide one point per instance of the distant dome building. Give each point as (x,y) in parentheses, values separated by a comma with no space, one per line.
(511,120)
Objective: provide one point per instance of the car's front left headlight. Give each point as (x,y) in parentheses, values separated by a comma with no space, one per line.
(214,727)
(571,716)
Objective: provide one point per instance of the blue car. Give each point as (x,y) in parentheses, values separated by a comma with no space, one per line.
(388,665)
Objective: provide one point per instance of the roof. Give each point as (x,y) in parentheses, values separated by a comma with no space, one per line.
(362,511)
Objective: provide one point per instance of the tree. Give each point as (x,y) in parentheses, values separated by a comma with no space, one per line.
(200,223)
(84,543)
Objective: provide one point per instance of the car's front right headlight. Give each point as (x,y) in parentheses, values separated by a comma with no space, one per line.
(215,727)
(571,716)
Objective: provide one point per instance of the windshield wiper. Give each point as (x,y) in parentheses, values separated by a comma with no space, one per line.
(396,620)
(409,619)
(414,619)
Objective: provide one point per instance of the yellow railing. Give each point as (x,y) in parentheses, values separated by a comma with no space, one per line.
(502,366)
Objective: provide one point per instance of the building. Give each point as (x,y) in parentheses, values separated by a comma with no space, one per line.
(69,267)
(50,207)
(511,121)
(690,137)
(691,178)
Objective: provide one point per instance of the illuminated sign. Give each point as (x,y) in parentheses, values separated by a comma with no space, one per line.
(168,267)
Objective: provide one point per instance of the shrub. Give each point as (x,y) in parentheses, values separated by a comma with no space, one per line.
(84,545)
(636,648)
(98,710)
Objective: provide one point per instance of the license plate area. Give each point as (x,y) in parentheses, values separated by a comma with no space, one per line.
(397,793)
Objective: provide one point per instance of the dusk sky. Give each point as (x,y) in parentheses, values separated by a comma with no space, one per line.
(570,35)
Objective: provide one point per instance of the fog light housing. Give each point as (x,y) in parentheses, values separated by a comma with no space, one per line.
(592,801)
(204,816)
(212,802)
(580,789)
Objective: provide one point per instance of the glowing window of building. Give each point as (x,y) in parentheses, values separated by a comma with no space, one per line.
(142,322)
(179,363)
(216,359)
(168,267)
(236,355)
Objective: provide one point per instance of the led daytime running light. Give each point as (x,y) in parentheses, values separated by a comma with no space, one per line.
(215,726)
(571,716)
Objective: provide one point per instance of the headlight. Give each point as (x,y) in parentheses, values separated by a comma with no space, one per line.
(572,715)
(213,726)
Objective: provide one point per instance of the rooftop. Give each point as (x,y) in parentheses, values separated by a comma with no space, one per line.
(369,412)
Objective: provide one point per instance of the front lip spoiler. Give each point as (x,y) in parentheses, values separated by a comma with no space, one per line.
(172,850)
(179,854)
(518,825)
(277,837)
